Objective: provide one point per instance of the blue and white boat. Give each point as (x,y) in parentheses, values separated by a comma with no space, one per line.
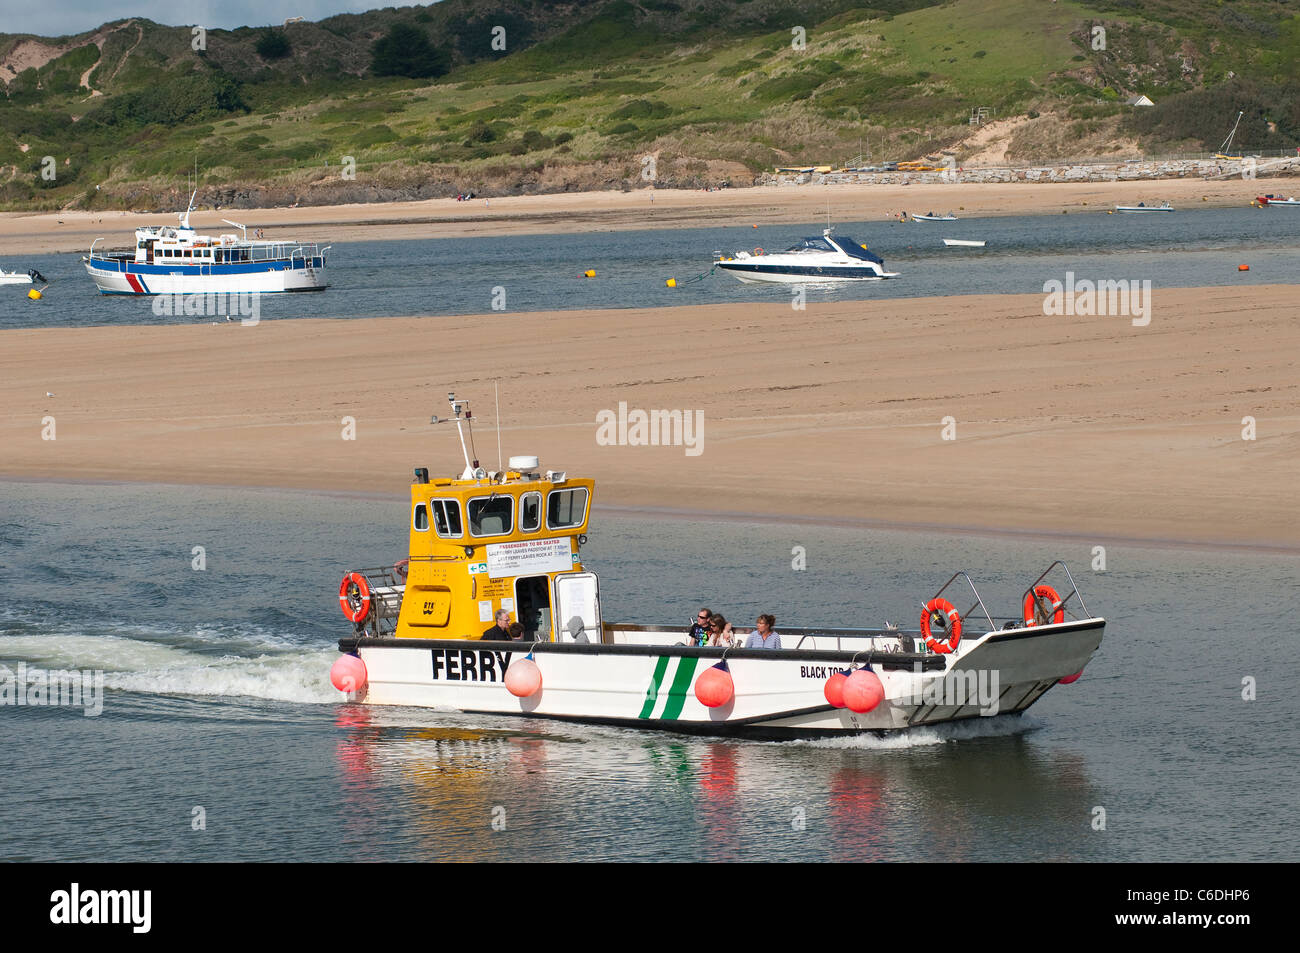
(176,260)
(829,258)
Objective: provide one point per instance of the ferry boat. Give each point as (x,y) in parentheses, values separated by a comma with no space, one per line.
(176,260)
(811,260)
(511,541)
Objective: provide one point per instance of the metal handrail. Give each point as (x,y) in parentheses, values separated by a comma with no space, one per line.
(979,602)
(1074,590)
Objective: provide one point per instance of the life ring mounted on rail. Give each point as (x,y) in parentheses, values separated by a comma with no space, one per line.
(1052,599)
(936,611)
(354,597)
(759,251)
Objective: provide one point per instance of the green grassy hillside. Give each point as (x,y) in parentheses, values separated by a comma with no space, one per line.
(582,92)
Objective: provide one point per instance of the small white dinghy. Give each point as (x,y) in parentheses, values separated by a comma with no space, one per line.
(18,278)
(1144,208)
(931,217)
(962,243)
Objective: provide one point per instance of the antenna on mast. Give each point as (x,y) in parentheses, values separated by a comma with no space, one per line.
(464,418)
(496,390)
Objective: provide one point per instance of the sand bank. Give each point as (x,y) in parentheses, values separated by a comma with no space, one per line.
(1084,426)
(22,233)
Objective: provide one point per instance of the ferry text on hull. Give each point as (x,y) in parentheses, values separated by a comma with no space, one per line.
(508,545)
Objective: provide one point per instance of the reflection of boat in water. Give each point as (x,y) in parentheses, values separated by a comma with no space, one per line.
(1143,207)
(511,540)
(829,258)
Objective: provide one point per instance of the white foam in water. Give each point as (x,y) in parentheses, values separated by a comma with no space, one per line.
(994,727)
(297,674)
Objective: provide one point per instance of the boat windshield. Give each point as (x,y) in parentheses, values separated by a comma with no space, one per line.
(810,245)
(854,250)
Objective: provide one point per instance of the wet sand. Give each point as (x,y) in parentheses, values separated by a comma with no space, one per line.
(1085,427)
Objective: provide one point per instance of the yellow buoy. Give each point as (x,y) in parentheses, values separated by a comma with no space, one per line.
(671,282)
(589,273)
(34,294)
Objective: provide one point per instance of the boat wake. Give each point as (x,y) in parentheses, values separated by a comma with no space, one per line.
(998,726)
(287,672)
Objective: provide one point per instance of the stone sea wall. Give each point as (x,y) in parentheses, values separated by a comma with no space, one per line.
(1066,172)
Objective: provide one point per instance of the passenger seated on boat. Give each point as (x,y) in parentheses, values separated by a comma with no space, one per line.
(501,631)
(720,632)
(516,630)
(764,636)
(577,629)
(698,633)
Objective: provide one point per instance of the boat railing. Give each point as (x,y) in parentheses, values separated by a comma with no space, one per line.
(387,586)
(942,620)
(1044,610)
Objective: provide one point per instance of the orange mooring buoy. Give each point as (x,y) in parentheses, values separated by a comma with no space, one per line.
(1243,267)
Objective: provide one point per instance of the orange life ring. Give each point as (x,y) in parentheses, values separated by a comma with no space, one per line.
(1053,599)
(402,569)
(941,608)
(759,251)
(354,596)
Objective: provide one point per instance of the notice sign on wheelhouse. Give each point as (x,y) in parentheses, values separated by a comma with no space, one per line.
(529,557)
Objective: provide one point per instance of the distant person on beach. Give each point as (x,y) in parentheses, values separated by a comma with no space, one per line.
(764,636)
(698,633)
(501,631)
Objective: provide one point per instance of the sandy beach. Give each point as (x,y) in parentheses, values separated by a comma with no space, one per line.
(72,231)
(1081,426)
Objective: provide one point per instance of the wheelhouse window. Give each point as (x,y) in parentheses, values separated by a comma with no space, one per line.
(446,518)
(491,515)
(420,518)
(530,512)
(566,508)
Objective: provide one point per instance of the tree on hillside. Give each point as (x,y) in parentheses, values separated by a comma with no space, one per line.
(273,45)
(406,51)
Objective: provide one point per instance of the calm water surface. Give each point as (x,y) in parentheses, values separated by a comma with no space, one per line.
(217,696)
(443,276)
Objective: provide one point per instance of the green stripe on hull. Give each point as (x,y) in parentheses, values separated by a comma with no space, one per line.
(681,684)
(652,693)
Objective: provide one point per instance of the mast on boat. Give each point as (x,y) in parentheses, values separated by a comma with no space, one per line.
(1227,143)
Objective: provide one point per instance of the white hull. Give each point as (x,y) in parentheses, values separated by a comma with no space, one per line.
(962,243)
(934,218)
(1142,208)
(271,281)
(778,693)
(772,277)
(13,278)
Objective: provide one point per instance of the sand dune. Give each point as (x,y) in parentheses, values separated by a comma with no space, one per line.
(1084,426)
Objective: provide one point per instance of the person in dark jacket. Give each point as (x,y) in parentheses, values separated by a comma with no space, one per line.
(501,631)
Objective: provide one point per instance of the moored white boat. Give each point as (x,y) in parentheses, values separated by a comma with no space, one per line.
(511,541)
(1144,208)
(169,260)
(931,217)
(812,260)
(1277,200)
(21,278)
